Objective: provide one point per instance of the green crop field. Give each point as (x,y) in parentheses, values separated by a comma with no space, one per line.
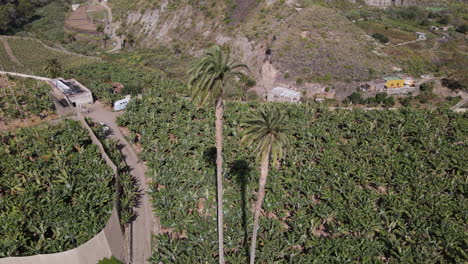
(24,98)
(354,187)
(33,56)
(56,192)
(6,64)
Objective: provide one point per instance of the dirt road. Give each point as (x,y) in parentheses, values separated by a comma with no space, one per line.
(141,228)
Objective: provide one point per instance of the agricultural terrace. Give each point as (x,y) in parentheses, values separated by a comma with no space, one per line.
(6,64)
(33,56)
(101,78)
(55,190)
(355,186)
(22,98)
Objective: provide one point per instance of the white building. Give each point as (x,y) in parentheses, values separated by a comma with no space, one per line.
(73,92)
(75,7)
(281,94)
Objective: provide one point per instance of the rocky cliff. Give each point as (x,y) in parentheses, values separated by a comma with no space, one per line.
(298,44)
(386,3)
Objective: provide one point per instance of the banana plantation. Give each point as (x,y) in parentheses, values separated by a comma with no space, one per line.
(55,190)
(105,75)
(355,186)
(23,98)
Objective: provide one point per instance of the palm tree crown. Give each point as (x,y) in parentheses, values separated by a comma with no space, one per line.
(266,128)
(209,74)
(53,67)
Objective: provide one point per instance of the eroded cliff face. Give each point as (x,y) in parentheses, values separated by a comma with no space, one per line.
(283,45)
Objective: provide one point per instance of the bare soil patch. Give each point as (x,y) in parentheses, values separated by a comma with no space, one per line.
(78,21)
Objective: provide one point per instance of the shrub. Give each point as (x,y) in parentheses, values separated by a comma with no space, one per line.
(381,38)
(380,98)
(286,75)
(389,101)
(405,101)
(462,28)
(355,98)
(250,83)
(452,84)
(444,20)
(427,87)
(299,81)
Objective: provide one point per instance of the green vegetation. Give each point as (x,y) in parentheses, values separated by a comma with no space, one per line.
(267,130)
(100,78)
(111,260)
(52,199)
(171,63)
(209,76)
(48,22)
(380,99)
(380,37)
(129,193)
(24,98)
(34,56)
(355,186)
(16,13)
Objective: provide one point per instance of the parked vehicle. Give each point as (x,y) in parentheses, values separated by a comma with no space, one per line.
(121,104)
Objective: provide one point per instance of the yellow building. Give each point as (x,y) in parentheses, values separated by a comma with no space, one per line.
(394,82)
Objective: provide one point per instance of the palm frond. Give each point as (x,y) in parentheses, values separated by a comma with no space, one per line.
(264,128)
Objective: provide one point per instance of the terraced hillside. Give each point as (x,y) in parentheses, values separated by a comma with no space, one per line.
(323,47)
(31,56)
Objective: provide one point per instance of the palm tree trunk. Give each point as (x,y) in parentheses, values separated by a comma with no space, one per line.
(219,112)
(265,163)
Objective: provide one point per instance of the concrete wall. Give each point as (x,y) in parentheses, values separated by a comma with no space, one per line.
(109,242)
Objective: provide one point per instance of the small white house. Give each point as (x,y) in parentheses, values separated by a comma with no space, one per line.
(121,104)
(73,92)
(75,7)
(281,94)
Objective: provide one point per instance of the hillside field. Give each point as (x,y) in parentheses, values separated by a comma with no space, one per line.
(32,56)
(355,186)
(52,200)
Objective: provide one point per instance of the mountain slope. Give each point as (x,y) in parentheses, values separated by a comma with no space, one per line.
(311,45)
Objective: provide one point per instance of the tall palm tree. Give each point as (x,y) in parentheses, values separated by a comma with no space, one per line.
(208,76)
(53,67)
(267,130)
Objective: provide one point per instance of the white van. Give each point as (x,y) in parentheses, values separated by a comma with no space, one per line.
(121,104)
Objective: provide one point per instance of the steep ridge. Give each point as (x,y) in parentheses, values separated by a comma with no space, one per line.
(276,39)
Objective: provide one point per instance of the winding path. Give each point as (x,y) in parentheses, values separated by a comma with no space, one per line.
(111,30)
(140,229)
(9,51)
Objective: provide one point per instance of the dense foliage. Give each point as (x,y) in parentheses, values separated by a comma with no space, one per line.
(101,78)
(23,98)
(356,186)
(15,13)
(55,191)
(129,194)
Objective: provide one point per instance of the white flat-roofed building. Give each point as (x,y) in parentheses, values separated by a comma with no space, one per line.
(281,94)
(72,91)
